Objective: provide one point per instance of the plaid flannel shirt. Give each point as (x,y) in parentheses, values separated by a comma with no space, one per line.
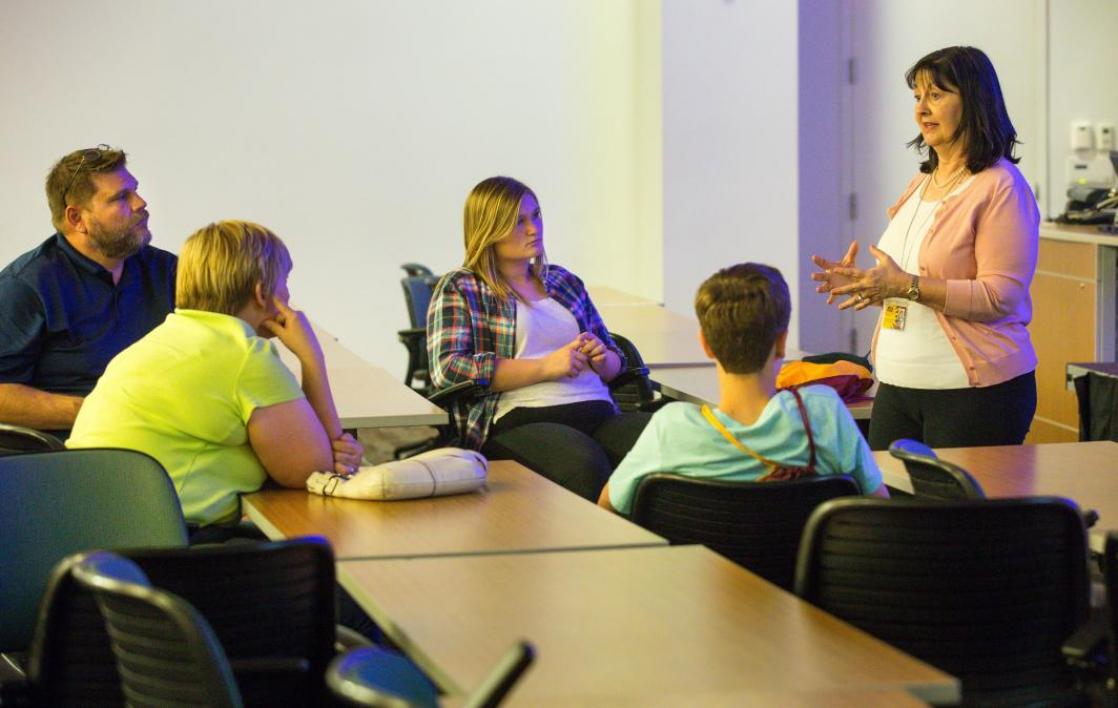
(469,327)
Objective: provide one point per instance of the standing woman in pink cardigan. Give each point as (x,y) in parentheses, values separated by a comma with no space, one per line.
(952,271)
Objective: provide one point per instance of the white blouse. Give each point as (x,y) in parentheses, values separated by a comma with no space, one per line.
(920,355)
(541,328)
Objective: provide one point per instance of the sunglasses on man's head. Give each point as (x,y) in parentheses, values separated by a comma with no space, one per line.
(89,155)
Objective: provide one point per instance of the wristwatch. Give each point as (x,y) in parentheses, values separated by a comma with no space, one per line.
(913,290)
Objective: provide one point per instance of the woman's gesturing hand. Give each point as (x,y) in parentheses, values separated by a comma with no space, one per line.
(871,286)
(826,276)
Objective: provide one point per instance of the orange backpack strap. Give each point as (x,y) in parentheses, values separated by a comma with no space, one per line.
(777,470)
(713,420)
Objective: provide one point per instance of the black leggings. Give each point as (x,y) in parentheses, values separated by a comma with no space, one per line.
(576,445)
(955,417)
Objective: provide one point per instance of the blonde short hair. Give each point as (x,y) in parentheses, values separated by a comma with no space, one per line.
(492,209)
(221,264)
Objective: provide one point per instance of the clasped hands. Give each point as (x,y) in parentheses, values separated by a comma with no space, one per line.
(864,287)
(572,358)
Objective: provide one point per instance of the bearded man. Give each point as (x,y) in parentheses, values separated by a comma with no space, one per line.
(74,302)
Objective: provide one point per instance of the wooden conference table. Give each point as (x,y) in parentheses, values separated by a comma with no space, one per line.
(517,511)
(366,395)
(1085,472)
(635,626)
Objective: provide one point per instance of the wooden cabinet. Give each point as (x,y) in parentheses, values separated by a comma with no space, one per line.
(1073,320)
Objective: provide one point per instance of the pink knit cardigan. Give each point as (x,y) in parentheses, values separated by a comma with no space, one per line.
(984,242)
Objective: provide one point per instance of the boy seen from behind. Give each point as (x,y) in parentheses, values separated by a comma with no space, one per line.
(755,433)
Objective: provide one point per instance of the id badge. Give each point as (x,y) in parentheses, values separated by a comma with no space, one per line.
(895,313)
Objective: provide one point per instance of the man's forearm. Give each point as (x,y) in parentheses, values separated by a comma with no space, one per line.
(32,408)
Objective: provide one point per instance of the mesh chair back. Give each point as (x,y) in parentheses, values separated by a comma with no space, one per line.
(755,524)
(986,590)
(417,296)
(165,650)
(633,392)
(15,439)
(271,606)
(416,269)
(932,477)
(418,286)
(58,503)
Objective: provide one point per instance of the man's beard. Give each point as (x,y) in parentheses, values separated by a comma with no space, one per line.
(120,244)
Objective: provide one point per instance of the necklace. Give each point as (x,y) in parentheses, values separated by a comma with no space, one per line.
(949,179)
(946,190)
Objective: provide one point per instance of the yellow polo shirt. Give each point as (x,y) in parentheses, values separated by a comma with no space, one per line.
(183,394)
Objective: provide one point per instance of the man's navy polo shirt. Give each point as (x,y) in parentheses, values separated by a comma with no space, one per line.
(62,320)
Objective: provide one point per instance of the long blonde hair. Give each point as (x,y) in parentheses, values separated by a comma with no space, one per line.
(220,265)
(492,209)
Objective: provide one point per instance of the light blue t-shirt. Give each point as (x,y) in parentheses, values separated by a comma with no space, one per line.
(679,440)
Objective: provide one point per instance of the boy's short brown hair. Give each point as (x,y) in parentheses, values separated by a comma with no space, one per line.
(742,310)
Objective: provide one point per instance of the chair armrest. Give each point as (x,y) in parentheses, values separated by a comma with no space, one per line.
(447,397)
(376,676)
(628,376)
(1088,640)
(412,335)
(346,639)
(1090,518)
(15,690)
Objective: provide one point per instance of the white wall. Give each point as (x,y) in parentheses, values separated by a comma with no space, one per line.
(1083,59)
(353,128)
(730,155)
(824,168)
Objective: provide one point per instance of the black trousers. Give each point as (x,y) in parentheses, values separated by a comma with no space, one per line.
(956,417)
(576,445)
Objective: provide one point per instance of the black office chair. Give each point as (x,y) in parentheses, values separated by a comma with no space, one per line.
(270,605)
(16,439)
(418,285)
(755,524)
(166,652)
(355,677)
(1093,650)
(1097,399)
(632,389)
(986,590)
(932,477)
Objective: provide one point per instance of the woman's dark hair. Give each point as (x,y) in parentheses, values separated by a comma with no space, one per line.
(989,133)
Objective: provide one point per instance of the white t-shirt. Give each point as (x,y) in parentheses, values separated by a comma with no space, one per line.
(541,328)
(920,355)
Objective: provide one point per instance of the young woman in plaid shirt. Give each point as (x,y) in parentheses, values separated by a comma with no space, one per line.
(528,334)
